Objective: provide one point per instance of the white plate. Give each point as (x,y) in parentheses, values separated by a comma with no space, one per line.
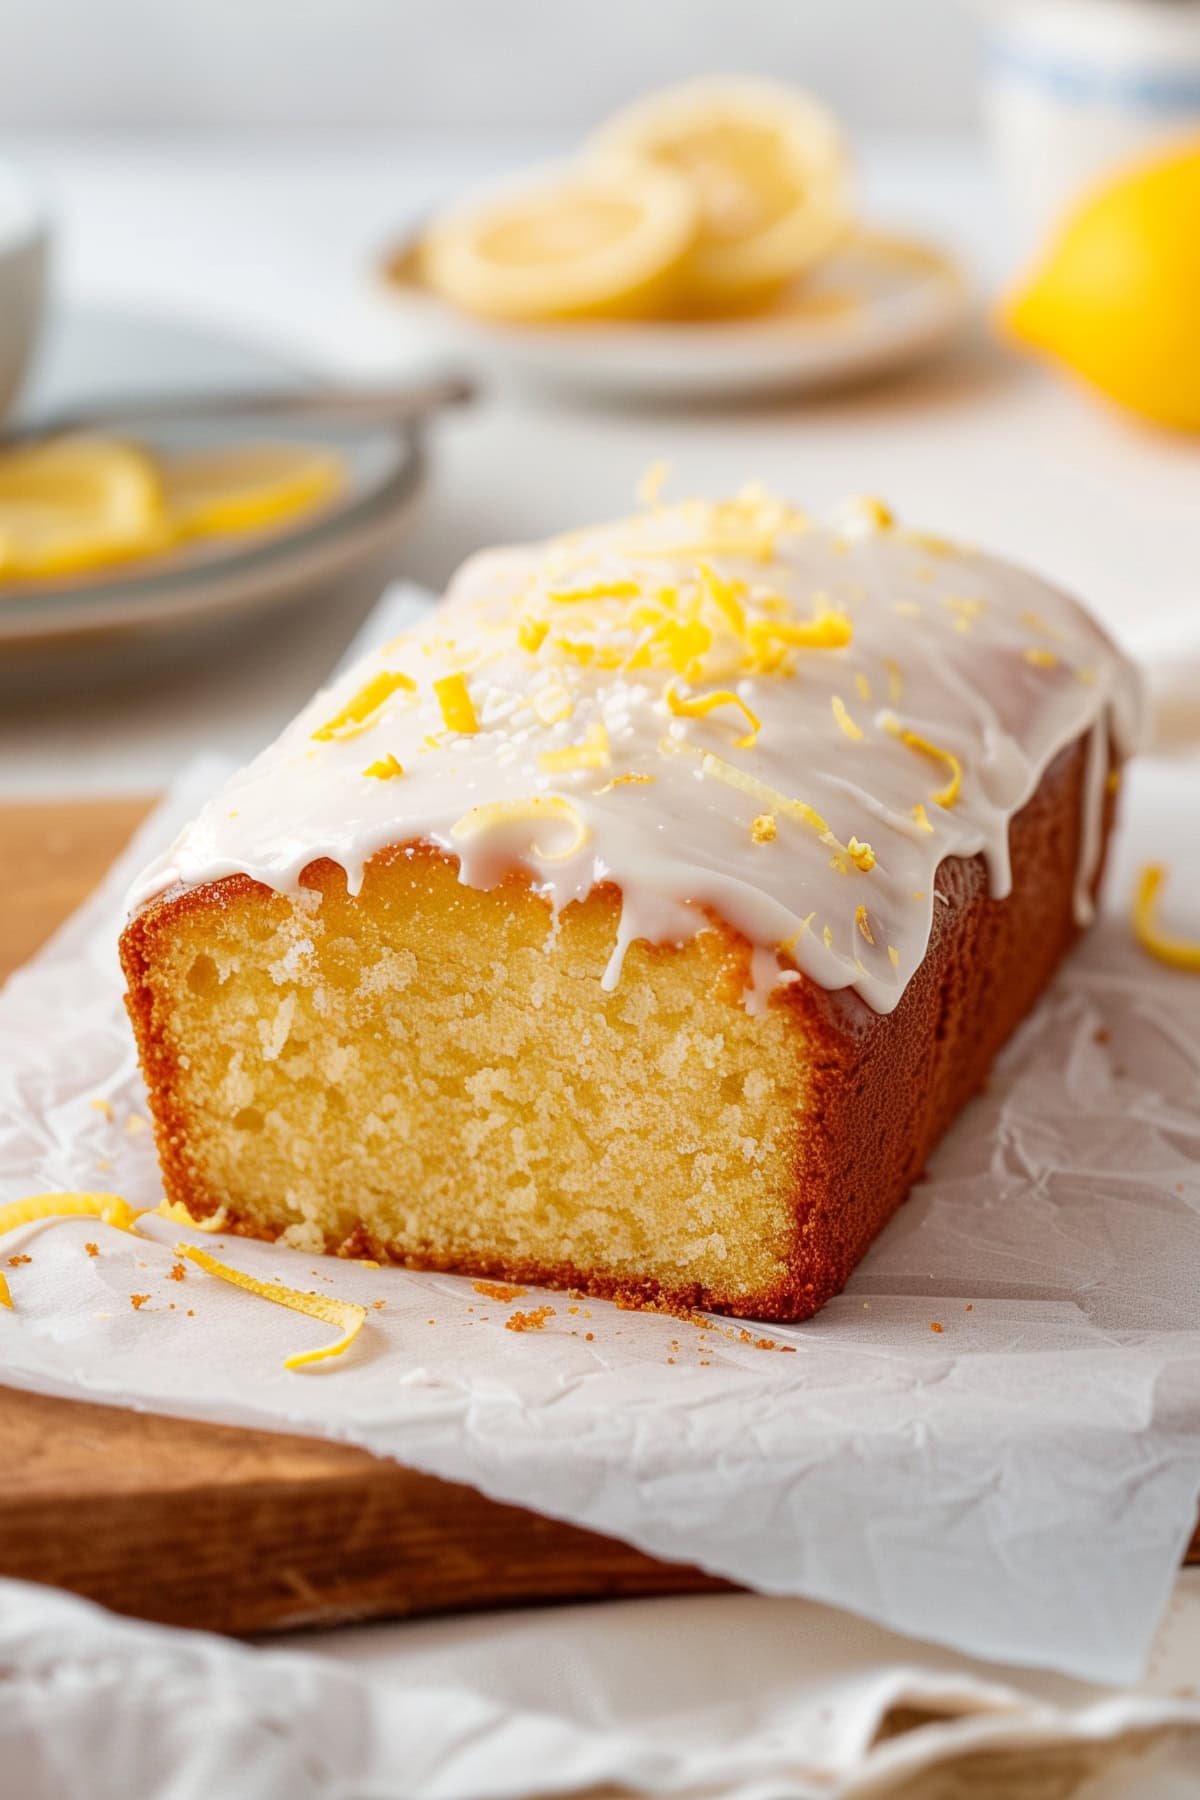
(878,303)
(93,356)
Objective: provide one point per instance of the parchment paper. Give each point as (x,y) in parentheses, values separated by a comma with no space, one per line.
(1019,1485)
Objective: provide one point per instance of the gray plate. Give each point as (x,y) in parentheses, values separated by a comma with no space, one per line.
(90,356)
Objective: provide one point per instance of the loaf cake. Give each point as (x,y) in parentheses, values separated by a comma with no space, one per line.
(640,923)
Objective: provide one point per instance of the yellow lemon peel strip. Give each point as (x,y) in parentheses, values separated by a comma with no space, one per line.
(774,801)
(703,704)
(455,701)
(845,722)
(386,768)
(598,590)
(110,1209)
(947,795)
(832,631)
(5,1297)
(347,1314)
(359,713)
(538,806)
(178,1212)
(1178,953)
(591,754)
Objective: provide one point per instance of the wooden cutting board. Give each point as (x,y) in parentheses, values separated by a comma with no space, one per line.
(247,1531)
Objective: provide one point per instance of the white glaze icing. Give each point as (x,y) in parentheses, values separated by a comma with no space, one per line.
(979,661)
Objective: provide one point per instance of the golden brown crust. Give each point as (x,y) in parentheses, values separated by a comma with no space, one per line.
(880,1090)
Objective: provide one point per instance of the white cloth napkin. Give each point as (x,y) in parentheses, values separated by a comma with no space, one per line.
(1019,1484)
(732,1696)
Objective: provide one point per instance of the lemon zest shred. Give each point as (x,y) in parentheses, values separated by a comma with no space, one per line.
(347,1314)
(598,590)
(537,806)
(827,935)
(893,956)
(703,704)
(179,1214)
(685,642)
(863,686)
(845,722)
(947,795)
(828,631)
(1178,953)
(630,780)
(385,768)
(359,713)
(591,754)
(454,698)
(649,488)
(789,944)
(773,800)
(531,634)
(1040,658)
(726,596)
(110,1209)
(6,1298)
(895,679)
(921,817)
(863,923)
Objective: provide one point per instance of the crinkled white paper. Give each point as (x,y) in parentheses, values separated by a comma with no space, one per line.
(1019,1485)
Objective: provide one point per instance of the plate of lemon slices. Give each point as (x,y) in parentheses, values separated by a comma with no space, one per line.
(163,530)
(702,245)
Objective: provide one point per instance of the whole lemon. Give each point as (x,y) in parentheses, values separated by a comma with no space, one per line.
(1117,296)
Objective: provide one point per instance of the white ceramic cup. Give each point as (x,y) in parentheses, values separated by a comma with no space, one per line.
(24,256)
(1075,89)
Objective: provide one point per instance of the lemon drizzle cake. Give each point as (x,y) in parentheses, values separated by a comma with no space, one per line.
(642,922)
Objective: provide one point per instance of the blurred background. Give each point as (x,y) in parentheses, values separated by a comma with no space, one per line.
(218,189)
(468,65)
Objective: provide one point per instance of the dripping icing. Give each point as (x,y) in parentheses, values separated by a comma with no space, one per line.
(575,657)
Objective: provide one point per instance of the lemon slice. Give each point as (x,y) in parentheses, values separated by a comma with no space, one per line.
(75,503)
(244,486)
(768,167)
(584,245)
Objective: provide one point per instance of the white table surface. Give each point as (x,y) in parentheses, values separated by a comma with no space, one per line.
(273,237)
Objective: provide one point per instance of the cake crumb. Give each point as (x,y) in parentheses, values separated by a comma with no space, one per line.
(92,1249)
(529,1321)
(378,1305)
(936,1325)
(589,1336)
(1102,1036)
(499,1290)
(16,1262)
(970,1306)
(191,1312)
(177,1272)
(137,1301)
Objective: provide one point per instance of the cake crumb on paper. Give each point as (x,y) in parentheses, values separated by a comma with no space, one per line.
(137,1301)
(529,1321)
(936,1325)
(499,1290)
(92,1249)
